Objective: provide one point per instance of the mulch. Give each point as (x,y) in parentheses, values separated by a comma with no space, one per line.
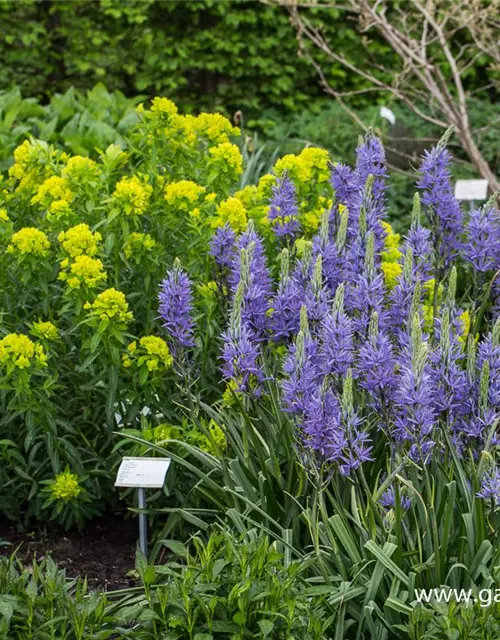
(104,552)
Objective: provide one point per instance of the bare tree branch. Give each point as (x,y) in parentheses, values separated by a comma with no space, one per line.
(436,41)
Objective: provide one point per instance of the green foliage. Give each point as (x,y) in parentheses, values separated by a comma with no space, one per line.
(224,587)
(228,54)
(227,587)
(80,123)
(41,603)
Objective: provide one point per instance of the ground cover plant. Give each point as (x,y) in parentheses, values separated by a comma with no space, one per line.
(326,388)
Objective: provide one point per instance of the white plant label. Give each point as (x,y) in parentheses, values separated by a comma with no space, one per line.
(147,473)
(471,189)
(389,115)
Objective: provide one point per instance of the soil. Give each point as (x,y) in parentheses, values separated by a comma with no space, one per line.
(104,552)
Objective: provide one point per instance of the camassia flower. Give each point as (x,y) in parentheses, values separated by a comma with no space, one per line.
(223,246)
(240,354)
(283,210)
(440,205)
(490,487)
(29,241)
(17,351)
(482,247)
(175,306)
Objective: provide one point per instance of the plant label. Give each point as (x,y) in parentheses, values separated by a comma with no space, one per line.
(147,473)
(471,189)
(389,115)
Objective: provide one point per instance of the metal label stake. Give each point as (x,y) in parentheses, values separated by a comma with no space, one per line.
(142,473)
(143,521)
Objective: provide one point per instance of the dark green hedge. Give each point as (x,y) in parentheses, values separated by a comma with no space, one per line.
(231,54)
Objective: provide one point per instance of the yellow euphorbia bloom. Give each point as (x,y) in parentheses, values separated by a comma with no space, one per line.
(66,487)
(29,241)
(52,189)
(233,212)
(45,330)
(132,196)
(18,351)
(183,194)
(110,305)
(80,240)
(84,271)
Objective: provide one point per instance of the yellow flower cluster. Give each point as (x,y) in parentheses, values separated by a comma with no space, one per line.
(392,267)
(23,155)
(183,194)
(465,322)
(110,306)
(84,271)
(188,130)
(4,216)
(161,433)
(215,127)
(391,251)
(233,212)
(51,190)
(29,241)
(132,196)
(152,352)
(45,330)
(310,164)
(163,106)
(59,211)
(80,240)
(255,203)
(66,487)
(227,158)
(26,168)
(137,245)
(18,351)
(311,219)
(80,170)
(428,305)
(218,438)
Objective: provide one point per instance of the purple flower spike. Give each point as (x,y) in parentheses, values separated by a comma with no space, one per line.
(283,212)
(223,246)
(388,500)
(176,303)
(441,206)
(240,360)
(345,183)
(482,248)
(490,487)
(370,160)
